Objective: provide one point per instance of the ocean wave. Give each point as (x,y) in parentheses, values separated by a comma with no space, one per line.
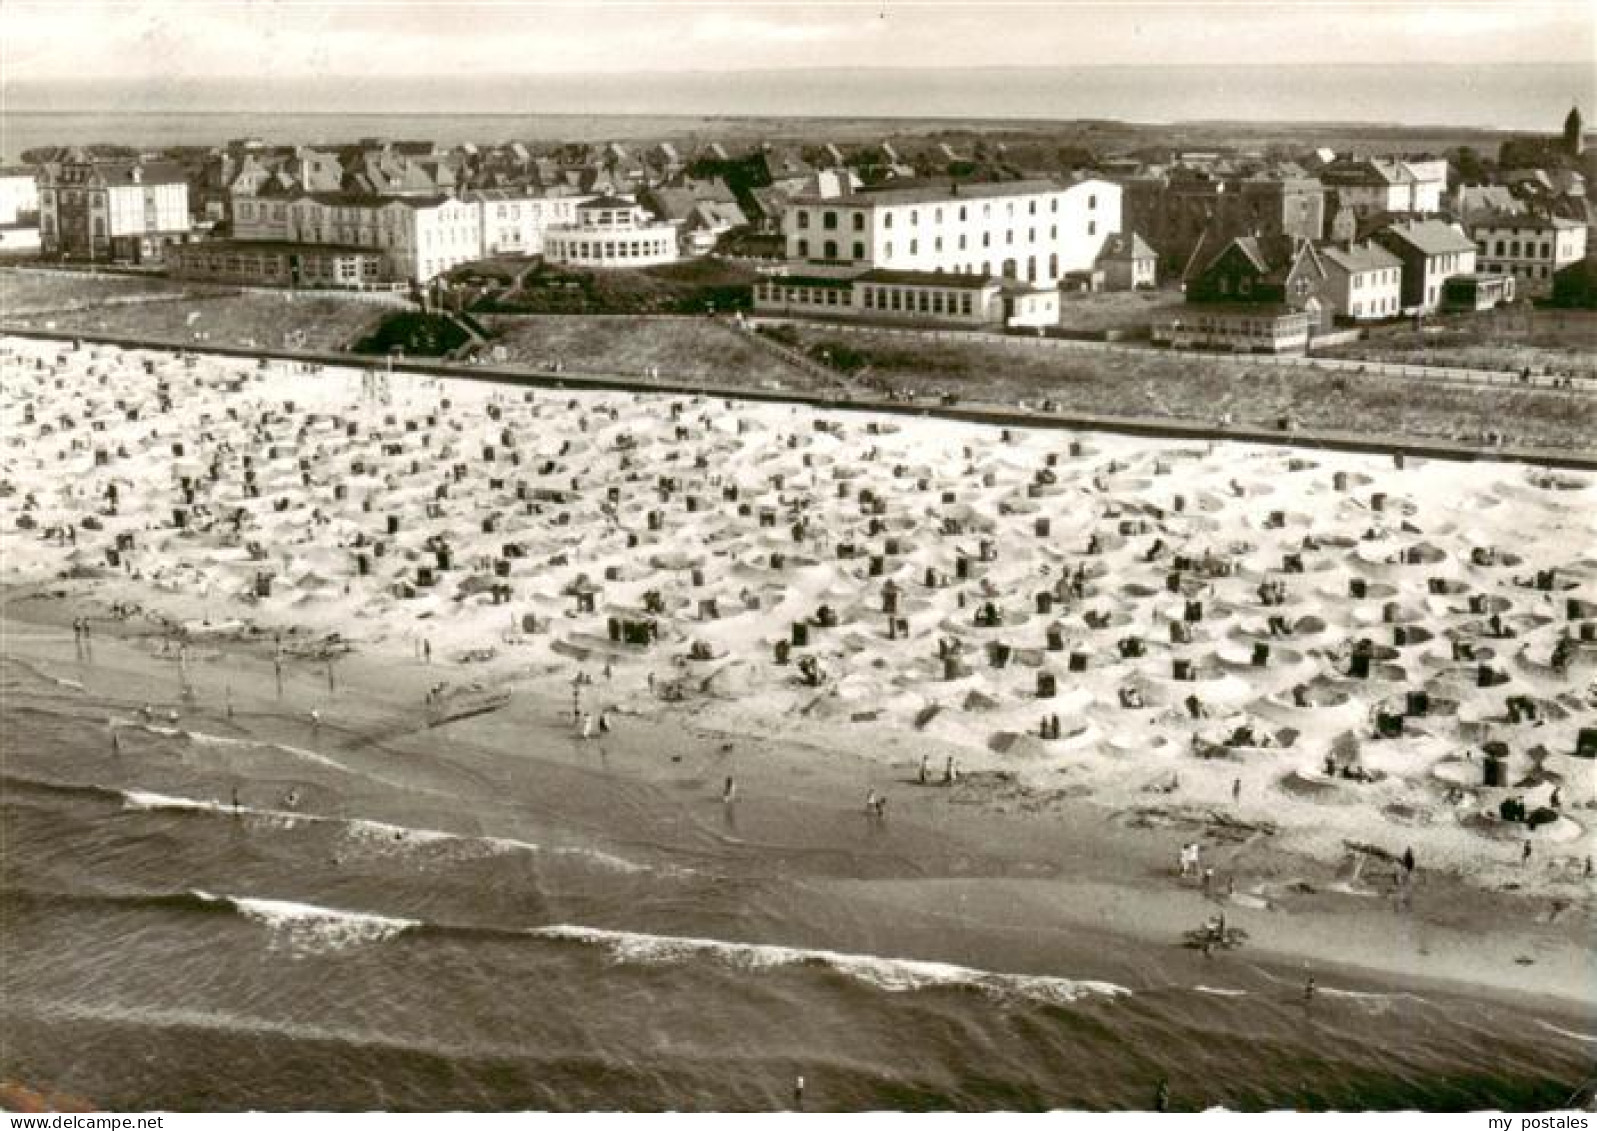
(375,833)
(1585,1038)
(891,975)
(1218,991)
(312,929)
(205,738)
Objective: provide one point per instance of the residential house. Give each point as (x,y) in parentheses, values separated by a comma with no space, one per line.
(1258,295)
(1389,185)
(1431,251)
(112,210)
(1363,282)
(1128,263)
(1531,248)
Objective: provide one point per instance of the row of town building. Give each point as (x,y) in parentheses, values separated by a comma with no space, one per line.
(385,214)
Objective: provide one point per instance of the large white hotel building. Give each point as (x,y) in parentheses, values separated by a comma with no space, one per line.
(1035,231)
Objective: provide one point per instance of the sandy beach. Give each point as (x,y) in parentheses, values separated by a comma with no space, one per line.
(1306,663)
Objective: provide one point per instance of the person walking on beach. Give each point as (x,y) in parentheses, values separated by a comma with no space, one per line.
(729,791)
(235,801)
(587,725)
(949,773)
(1408,860)
(1161,1096)
(1524,856)
(923,758)
(426,650)
(1236,791)
(1308,990)
(604,722)
(798,1093)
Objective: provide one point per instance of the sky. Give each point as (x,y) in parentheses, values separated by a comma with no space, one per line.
(158,40)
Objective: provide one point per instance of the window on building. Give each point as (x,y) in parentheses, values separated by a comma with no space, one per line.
(803,219)
(887,219)
(859,221)
(961,211)
(914,247)
(964,304)
(887,250)
(859,250)
(830,250)
(829,221)
(914,217)
(1092,201)
(1031,208)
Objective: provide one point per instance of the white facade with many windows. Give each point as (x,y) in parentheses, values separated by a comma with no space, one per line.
(514,222)
(420,238)
(1034,231)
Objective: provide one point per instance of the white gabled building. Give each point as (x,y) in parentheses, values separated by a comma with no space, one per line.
(1033,231)
(1363,281)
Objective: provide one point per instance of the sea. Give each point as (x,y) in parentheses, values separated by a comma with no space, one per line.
(228,915)
(179,110)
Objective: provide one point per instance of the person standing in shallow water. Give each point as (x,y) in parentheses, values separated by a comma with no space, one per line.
(1408,860)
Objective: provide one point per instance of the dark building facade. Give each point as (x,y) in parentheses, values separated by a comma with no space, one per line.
(1188,214)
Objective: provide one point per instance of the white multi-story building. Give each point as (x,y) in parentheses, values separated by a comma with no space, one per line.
(1363,281)
(1432,252)
(1530,248)
(611,231)
(514,220)
(420,237)
(19,212)
(19,196)
(1033,231)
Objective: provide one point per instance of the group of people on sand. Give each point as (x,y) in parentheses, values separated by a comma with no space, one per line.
(950,771)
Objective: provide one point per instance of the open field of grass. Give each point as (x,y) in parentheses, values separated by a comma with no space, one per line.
(270,321)
(688,287)
(1544,341)
(32,292)
(1146,383)
(1115,310)
(683,349)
